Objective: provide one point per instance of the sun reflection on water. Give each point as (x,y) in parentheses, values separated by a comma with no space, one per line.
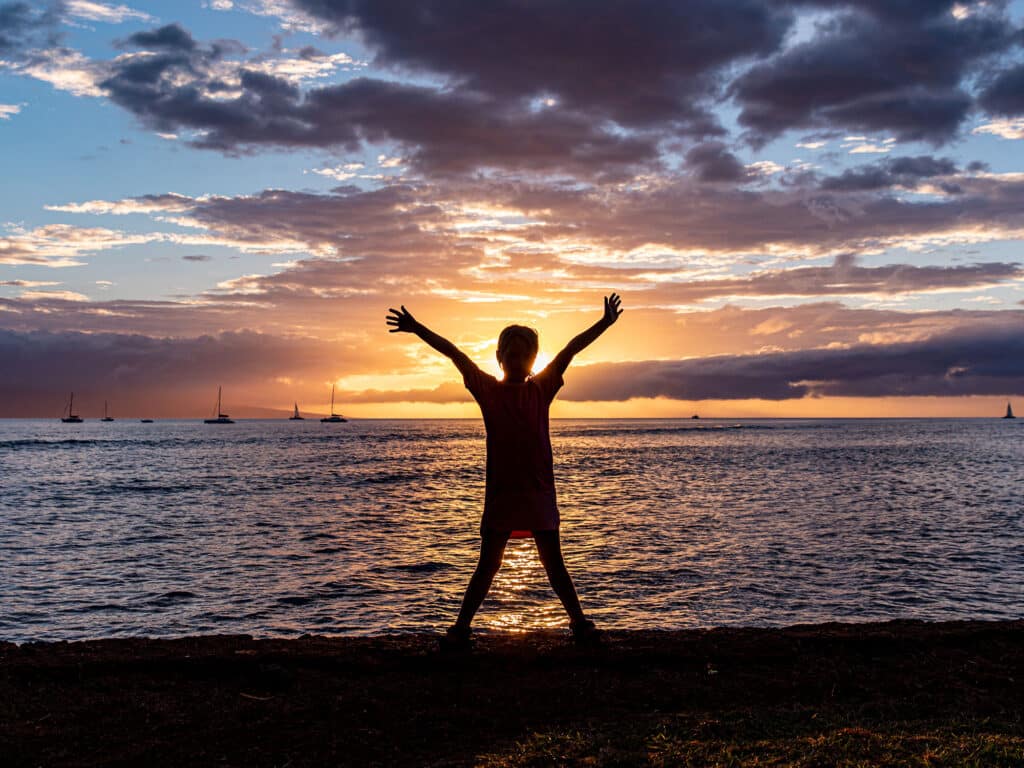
(521,598)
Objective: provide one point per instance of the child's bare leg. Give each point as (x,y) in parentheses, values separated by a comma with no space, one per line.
(550,550)
(492,547)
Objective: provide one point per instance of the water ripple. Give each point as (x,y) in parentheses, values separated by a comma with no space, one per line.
(280,528)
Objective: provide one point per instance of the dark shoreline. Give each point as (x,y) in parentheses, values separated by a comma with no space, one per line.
(895,693)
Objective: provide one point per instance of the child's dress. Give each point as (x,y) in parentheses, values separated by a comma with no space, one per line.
(520,495)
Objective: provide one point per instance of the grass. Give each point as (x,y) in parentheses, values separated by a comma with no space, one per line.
(892,694)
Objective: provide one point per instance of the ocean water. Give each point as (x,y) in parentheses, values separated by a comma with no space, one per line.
(278,528)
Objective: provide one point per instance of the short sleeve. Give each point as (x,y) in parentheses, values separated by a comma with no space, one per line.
(477,382)
(550,381)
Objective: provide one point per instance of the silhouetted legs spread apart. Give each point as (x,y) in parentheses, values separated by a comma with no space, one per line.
(492,547)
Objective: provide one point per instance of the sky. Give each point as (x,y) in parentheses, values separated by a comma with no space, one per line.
(809,207)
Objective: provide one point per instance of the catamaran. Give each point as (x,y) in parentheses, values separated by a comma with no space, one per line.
(222,418)
(106,417)
(1009,412)
(295,416)
(71,418)
(334,418)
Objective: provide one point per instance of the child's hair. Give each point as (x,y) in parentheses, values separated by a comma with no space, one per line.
(518,332)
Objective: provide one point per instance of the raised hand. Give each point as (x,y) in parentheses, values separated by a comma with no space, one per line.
(401,321)
(611,308)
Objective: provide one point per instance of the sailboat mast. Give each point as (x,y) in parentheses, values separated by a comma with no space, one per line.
(218,402)
(332,399)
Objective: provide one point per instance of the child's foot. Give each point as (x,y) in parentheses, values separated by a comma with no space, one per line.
(456,640)
(585,633)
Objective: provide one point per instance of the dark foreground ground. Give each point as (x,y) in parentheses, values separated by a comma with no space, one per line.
(902,693)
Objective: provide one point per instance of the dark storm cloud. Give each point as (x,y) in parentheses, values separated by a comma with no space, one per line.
(27,25)
(169,37)
(592,90)
(982,362)
(442,131)
(641,63)
(895,172)
(990,363)
(1005,95)
(902,74)
(712,161)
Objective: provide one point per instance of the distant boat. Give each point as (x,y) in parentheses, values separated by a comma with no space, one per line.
(145,421)
(295,416)
(105,416)
(1009,412)
(334,418)
(222,418)
(695,416)
(71,418)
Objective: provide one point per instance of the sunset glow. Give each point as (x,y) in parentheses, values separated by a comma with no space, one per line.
(233,194)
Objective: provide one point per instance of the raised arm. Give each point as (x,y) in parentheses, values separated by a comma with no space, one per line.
(403,321)
(585,339)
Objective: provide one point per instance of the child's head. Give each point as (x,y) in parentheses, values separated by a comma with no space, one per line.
(517,350)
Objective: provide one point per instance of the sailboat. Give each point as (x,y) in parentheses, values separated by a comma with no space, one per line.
(106,417)
(222,418)
(295,416)
(334,418)
(71,418)
(1009,412)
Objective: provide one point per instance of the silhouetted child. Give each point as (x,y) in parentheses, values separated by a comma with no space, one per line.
(520,495)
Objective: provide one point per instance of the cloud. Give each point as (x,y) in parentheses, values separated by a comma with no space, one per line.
(507,87)
(674,241)
(169,202)
(903,172)
(183,87)
(666,59)
(54,295)
(712,161)
(8,110)
(982,362)
(797,220)
(27,25)
(1004,129)
(1005,95)
(112,14)
(197,257)
(902,74)
(843,278)
(63,68)
(171,37)
(142,374)
(61,245)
